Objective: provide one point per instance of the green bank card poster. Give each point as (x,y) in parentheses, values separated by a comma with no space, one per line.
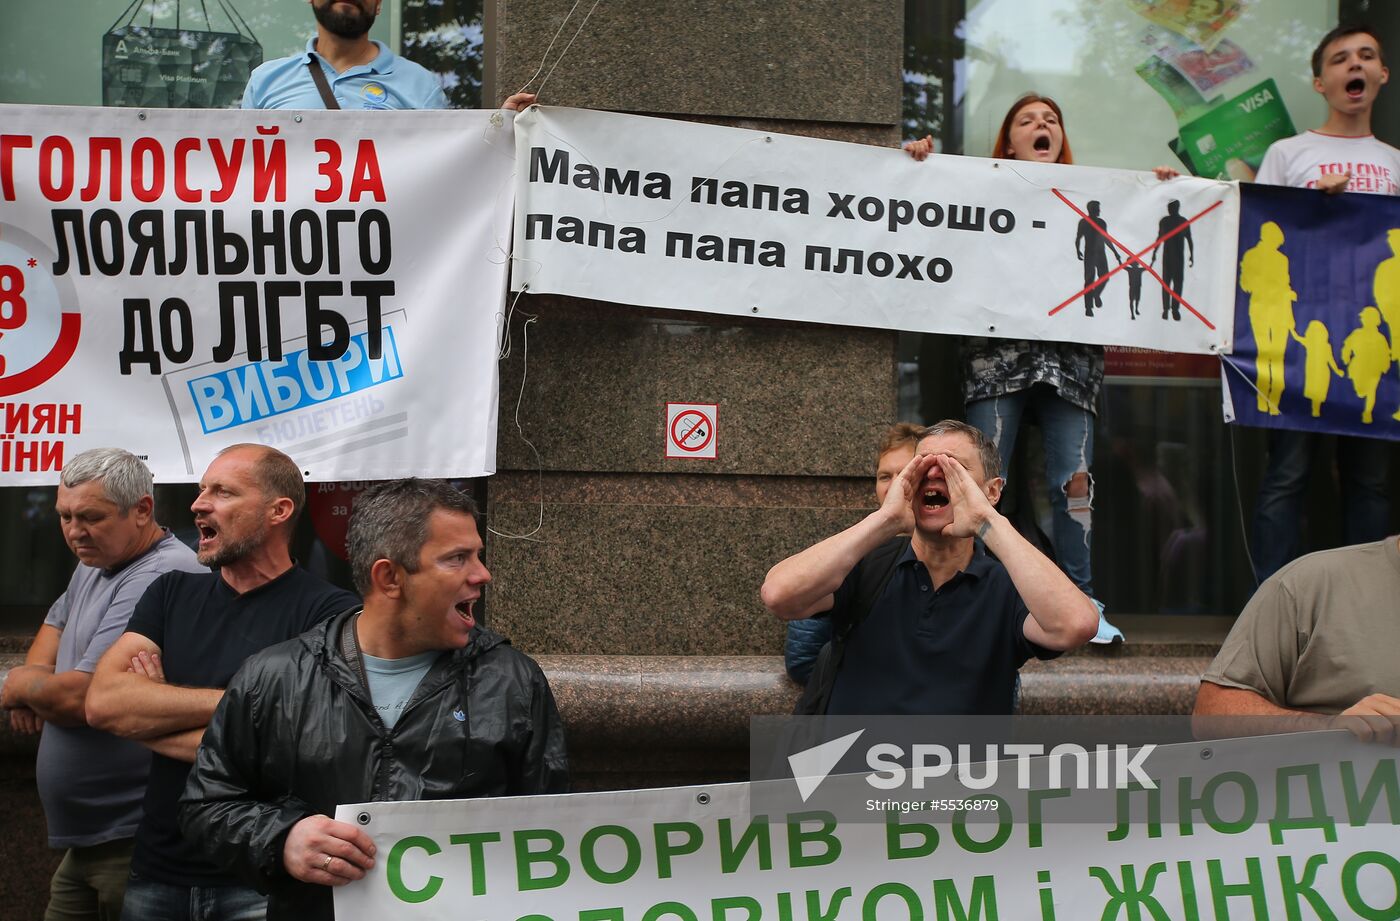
(1236,131)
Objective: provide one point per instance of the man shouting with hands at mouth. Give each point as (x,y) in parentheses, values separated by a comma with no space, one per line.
(406,699)
(954,610)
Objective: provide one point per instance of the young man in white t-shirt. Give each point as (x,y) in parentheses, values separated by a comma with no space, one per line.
(1349,71)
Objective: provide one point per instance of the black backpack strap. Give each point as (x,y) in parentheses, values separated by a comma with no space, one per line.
(350,648)
(318,77)
(875,573)
(876,570)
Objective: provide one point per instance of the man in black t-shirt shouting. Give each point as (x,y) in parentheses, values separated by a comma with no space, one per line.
(160,682)
(952,624)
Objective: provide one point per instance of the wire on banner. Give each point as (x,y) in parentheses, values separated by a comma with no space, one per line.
(506,346)
(1235,467)
(1239,503)
(550,47)
(562,54)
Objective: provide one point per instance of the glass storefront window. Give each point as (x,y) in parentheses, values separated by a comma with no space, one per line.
(97,52)
(1137,80)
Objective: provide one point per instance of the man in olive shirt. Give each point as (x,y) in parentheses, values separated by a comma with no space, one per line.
(1318,637)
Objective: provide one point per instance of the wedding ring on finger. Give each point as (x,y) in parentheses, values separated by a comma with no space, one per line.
(327,864)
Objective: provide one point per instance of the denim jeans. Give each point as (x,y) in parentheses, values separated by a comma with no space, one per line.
(1362,464)
(1068,432)
(149,900)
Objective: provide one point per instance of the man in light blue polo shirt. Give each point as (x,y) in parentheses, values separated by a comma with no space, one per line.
(360,73)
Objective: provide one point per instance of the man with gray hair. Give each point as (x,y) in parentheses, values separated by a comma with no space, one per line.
(408,698)
(91,783)
(931,623)
(161,680)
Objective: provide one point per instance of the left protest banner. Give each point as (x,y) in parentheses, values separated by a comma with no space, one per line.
(672,214)
(176,281)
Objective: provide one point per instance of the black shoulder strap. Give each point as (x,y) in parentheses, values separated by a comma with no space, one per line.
(350,648)
(875,572)
(318,76)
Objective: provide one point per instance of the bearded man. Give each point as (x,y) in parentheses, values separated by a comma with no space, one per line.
(161,680)
(343,68)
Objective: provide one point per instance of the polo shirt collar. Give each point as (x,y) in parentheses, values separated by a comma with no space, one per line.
(383,63)
(977,567)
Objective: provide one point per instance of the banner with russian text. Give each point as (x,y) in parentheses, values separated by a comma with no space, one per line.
(1317,322)
(1276,827)
(327,283)
(673,214)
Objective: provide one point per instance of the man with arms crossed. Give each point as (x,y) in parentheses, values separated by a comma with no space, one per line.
(161,680)
(407,699)
(91,783)
(953,625)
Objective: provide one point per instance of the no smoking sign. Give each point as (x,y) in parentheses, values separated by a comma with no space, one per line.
(692,430)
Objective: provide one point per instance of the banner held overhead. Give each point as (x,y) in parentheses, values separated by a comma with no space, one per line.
(673,214)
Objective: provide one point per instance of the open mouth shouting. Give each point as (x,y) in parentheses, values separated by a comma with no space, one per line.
(208,532)
(1356,88)
(935,497)
(464,610)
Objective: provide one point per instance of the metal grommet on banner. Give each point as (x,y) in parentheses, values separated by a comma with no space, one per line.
(141,116)
(362,818)
(297,119)
(702,798)
(1207,754)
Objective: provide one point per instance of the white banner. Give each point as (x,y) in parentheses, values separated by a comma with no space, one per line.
(1235,828)
(697,217)
(328,283)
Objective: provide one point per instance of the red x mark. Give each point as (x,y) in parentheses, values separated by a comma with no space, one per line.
(1133,257)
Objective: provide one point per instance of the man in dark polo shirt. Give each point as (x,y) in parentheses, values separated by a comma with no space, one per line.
(953,624)
(161,680)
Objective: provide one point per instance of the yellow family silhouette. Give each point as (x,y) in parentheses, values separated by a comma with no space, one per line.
(1366,352)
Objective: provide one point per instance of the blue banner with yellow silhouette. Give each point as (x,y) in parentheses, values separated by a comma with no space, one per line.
(1317,313)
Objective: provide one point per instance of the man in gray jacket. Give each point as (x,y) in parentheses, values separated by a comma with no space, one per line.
(469,715)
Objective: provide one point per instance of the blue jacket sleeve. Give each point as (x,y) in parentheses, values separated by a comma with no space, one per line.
(805,639)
